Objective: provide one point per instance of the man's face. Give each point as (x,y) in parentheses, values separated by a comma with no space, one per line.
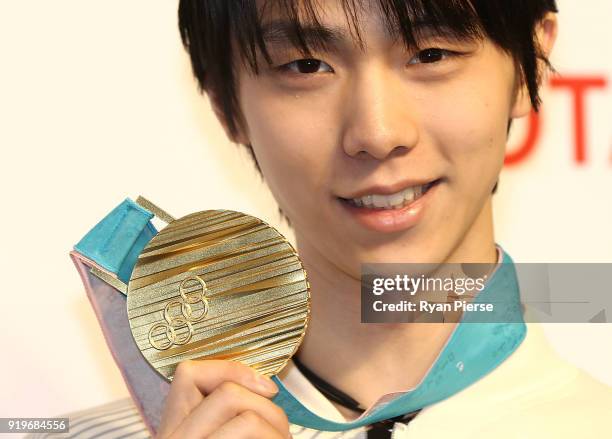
(355,129)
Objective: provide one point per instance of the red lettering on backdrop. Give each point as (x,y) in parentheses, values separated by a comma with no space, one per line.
(528,145)
(578,86)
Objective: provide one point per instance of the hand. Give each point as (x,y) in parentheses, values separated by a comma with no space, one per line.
(221,399)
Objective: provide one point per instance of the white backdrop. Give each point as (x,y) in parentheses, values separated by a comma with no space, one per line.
(97,100)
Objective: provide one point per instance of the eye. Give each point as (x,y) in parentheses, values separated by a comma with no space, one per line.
(432,55)
(306,66)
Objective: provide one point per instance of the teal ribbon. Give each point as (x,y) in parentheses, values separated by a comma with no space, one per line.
(116,241)
(473,350)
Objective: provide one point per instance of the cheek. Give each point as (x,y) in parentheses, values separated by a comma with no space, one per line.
(477,133)
(470,128)
(289,140)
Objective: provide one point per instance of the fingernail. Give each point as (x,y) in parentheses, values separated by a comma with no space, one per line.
(265,383)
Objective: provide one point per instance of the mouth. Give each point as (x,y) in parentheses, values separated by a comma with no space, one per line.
(383,211)
(394,201)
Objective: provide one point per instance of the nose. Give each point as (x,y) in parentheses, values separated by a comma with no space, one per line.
(379,119)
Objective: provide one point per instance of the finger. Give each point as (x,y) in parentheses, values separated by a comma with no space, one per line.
(207,375)
(195,379)
(247,425)
(225,403)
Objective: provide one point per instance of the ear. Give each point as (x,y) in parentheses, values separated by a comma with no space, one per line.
(240,137)
(546,35)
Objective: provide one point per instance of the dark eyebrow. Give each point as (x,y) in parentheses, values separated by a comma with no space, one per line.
(283,32)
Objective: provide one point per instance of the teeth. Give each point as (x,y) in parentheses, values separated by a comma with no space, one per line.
(393,201)
(396,199)
(380,200)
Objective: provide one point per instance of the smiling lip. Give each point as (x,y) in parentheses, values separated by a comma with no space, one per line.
(391,220)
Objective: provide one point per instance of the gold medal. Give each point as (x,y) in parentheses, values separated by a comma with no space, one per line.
(218,284)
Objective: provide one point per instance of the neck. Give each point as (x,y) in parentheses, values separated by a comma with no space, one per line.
(390,357)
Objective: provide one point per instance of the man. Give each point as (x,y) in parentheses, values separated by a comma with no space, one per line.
(380,128)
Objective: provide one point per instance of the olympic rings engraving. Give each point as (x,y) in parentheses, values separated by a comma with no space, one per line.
(171,324)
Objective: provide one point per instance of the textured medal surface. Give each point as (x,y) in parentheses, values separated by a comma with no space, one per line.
(218,284)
